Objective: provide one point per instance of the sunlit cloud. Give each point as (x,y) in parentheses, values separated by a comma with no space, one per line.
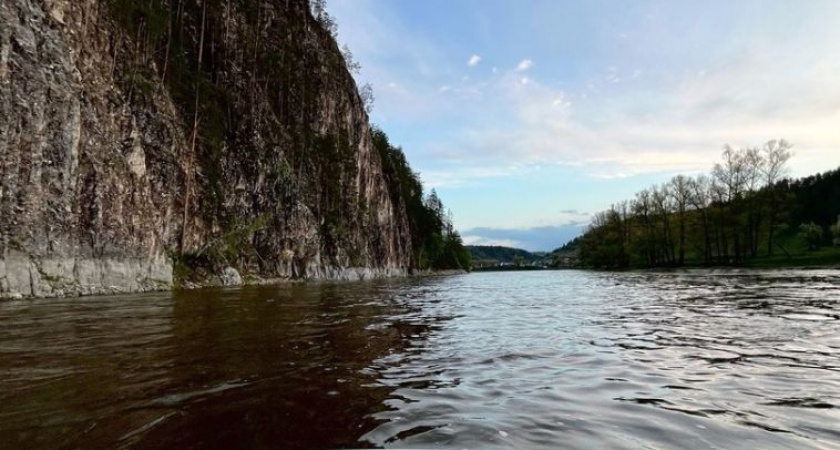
(662,99)
(479,240)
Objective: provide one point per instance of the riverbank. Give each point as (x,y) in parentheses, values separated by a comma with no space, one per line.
(827,257)
(45,286)
(793,254)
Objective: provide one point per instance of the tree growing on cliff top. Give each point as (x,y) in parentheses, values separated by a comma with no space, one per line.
(435,242)
(319,11)
(352,65)
(366,93)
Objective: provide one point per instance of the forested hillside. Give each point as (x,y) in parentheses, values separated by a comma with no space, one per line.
(150,144)
(744,212)
(435,243)
(494,255)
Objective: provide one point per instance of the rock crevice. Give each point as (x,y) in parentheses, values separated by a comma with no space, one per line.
(147,143)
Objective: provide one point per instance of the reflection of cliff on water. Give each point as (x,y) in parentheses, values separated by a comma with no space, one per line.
(280,367)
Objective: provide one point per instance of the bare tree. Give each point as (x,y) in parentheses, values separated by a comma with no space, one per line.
(319,11)
(718,194)
(663,206)
(700,199)
(623,211)
(352,65)
(730,175)
(776,155)
(721,216)
(642,209)
(731,181)
(753,162)
(319,8)
(680,192)
(366,93)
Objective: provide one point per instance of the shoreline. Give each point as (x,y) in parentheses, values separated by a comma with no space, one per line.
(826,266)
(229,278)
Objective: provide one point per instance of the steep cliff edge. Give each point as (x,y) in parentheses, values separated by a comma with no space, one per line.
(143,143)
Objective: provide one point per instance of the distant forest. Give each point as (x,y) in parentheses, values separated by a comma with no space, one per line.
(435,243)
(745,212)
(493,255)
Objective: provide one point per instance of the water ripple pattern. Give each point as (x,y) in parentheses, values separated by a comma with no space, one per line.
(536,360)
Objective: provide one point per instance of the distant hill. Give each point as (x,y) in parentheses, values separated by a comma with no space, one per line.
(565,256)
(495,255)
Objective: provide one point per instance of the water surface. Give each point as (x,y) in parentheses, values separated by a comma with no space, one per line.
(536,360)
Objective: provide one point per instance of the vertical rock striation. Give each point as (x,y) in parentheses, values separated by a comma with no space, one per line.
(143,143)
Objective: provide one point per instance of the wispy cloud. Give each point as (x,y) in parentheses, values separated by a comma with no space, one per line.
(524,65)
(458,175)
(479,240)
(677,128)
(660,97)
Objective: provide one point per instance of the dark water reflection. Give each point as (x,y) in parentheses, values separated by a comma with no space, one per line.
(506,360)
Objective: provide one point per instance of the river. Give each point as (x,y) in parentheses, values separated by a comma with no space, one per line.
(519,360)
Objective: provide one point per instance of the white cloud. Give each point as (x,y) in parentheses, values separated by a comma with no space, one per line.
(457,175)
(561,101)
(474,59)
(479,240)
(674,118)
(524,65)
(676,125)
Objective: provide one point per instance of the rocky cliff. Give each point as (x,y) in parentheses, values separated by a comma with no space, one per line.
(143,143)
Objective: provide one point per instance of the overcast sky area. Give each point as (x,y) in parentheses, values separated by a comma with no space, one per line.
(529,116)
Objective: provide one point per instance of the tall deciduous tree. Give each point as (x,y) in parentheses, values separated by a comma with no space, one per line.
(776,155)
(680,192)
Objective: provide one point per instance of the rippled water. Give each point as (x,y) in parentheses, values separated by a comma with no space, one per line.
(537,360)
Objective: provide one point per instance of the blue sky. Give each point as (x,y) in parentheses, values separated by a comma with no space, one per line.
(529,116)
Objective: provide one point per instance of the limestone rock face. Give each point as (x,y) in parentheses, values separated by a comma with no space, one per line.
(140,144)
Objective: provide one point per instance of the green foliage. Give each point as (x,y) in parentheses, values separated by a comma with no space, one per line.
(184,267)
(435,243)
(453,255)
(191,48)
(319,11)
(835,232)
(232,244)
(815,198)
(493,255)
(147,18)
(569,246)
(811,234)
(742,214)
(176,46)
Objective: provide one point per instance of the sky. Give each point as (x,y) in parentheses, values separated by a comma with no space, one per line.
(527,117)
